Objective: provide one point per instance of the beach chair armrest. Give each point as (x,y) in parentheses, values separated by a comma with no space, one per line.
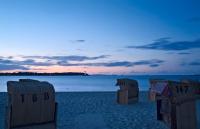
(56,111)
(8,117)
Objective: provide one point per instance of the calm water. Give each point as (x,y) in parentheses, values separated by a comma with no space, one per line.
(91,83)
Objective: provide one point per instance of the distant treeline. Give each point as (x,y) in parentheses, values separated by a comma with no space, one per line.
(44,74)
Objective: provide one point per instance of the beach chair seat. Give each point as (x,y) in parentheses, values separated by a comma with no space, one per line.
(30,103)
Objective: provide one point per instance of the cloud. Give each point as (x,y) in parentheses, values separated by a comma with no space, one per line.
(7,63)
(193,63)
(150,63)
(38,69)
(12,67)
(184,53)
(67,58)
(194,19)
(167,45)
(154,65)
(34,63)
(31,62)
(78,41)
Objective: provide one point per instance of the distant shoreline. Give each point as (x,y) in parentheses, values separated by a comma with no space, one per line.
(85,74)
(44,74)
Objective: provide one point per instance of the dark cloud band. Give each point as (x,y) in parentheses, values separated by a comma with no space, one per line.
(167,45)
(67,58)
(12,67)
(151,63)
(30,61)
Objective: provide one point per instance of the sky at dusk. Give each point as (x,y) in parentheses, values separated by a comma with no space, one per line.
(100,36)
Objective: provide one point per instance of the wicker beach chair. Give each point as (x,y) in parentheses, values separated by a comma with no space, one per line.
(31,104)
(175,103)
(128,92)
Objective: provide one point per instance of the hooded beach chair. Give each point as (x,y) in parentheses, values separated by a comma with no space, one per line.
(31,104)
(175,103)
(128,92)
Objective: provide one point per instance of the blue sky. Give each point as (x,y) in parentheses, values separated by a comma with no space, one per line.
(100,36)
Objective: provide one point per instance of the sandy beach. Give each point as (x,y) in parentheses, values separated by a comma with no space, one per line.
(99,110)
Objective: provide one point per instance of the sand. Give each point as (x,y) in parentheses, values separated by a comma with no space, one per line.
(99,110)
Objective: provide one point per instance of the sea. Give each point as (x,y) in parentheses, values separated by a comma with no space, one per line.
(93,83)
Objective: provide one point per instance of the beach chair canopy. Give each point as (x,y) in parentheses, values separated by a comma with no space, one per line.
(30,102)
(126,82)
(195,84)
(169,88)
